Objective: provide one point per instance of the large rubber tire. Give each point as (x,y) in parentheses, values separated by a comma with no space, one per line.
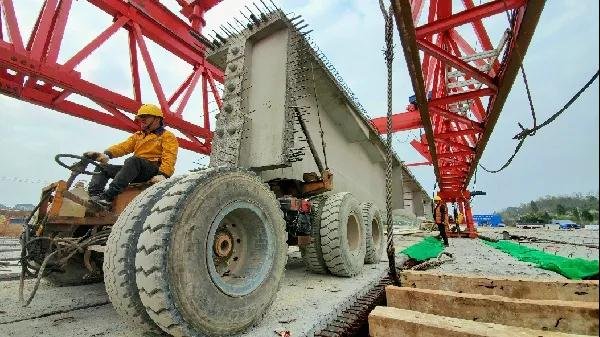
(312,255)
(374,237)
(343,235)
(177,276)
(119,258)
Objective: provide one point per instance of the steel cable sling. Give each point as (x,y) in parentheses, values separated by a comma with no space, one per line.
(67,247)
(526,132)
(389,57)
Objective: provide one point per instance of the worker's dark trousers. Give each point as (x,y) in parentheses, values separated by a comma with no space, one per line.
(442,230)
(134,170)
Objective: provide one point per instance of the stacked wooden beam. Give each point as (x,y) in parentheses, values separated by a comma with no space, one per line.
(431,304)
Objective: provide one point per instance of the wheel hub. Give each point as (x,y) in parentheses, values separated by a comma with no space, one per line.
(240,248)
(223,246)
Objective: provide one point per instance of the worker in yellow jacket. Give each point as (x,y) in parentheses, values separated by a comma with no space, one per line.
(461,219)
(154,154)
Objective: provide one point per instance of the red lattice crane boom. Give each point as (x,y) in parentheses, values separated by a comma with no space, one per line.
(459,89)
(30,71)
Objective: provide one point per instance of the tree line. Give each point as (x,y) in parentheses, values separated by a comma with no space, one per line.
(579,208)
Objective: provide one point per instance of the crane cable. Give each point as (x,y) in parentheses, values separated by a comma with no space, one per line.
(525,132)
(389,57)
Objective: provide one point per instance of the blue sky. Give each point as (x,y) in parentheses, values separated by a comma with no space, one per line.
(561,159)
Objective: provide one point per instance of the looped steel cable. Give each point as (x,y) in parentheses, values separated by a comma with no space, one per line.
(66,247)
(389,57)
(525,132)
(520,57)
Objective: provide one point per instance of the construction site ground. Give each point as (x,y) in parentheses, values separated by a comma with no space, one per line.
(305,303)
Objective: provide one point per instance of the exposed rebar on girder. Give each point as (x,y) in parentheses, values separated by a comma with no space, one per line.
(259,10)
(254,19)
(237,32)
(240,23)
(267,7)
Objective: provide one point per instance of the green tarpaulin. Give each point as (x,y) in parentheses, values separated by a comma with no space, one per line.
(428,248)
(574,269)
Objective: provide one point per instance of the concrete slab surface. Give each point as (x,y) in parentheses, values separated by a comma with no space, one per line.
(304,304)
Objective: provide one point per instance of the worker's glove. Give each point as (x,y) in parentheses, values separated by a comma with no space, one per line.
(157,178)
(97,156)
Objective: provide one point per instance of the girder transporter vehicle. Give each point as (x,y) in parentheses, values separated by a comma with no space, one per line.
(203,254)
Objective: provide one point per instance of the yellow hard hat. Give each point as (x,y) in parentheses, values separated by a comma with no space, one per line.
(437,198)
(149,110)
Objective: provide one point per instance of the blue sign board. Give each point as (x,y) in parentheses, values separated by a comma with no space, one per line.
(492,220)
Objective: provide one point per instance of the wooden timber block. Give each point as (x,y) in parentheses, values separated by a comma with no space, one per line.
(565,290)
(394,322)
(550,315)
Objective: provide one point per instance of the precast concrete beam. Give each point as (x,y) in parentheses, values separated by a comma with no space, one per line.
(417,203)
(278,73)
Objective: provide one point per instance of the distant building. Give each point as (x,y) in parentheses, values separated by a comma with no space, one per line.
(492,220)
(24,207)
(17,220)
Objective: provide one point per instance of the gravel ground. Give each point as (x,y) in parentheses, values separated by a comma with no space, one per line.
(10,251)
(579,236)
(473,257)
(572,248)
(566,250)
(304,304)
(476,258)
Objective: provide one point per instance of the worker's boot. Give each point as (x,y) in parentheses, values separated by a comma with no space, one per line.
(101,200)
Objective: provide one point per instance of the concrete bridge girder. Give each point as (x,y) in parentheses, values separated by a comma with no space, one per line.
(276,71)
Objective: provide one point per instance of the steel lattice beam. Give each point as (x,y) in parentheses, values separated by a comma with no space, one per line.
(400,122)
(450,80)
(468,16)
(30,71)
(525,22)
(406,29)
(457,123)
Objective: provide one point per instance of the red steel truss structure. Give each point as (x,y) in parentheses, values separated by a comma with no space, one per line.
(459,89)
(29,69)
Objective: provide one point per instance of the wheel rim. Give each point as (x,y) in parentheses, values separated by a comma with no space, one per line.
(353,233)
(239,248)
